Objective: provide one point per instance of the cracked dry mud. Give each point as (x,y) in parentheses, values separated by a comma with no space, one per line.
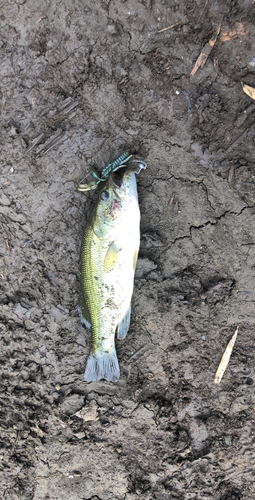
(82,82)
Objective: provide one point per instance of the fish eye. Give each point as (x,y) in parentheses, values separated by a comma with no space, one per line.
(104,195)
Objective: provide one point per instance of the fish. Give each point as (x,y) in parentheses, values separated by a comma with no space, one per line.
(109,253)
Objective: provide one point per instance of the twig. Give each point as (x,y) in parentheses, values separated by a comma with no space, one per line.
(169,27)
(71,107)
(231,174)
(200,62)
(137,352)
(49,141)
(54,143)
(171,200)
(36,141)
(225,358)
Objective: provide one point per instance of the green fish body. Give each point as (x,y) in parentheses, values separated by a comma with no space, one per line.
(108,259)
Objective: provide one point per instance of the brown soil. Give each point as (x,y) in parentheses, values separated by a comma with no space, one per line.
(82,82)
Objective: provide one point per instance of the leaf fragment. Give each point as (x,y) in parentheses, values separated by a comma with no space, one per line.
(237,30)
(225,358)
(250,91)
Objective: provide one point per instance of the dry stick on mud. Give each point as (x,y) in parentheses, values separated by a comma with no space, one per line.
(200,62)
(36,141)
(231,174)
(225,358)
(169,27)
(171,200)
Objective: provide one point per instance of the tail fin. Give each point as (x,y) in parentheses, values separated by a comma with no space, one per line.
(102,365)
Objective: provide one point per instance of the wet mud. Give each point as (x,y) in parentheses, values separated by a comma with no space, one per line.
(82,82)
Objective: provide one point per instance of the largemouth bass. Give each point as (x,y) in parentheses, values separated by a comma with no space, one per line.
(108,259)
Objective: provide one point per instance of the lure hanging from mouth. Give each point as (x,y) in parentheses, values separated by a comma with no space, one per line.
(111,167)
(108,259)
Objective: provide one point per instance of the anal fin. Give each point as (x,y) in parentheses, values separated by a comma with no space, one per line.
(123,325)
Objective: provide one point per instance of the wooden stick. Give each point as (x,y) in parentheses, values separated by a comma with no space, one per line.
(169,27)
(225,358)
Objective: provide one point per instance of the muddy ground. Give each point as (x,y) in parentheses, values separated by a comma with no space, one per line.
(82,82)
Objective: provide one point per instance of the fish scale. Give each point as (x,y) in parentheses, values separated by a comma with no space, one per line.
(93,286)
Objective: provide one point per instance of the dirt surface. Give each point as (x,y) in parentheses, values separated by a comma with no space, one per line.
(82,82)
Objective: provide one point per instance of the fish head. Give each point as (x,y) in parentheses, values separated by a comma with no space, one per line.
(116,199)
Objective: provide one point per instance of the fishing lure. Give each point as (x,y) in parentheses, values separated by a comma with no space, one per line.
(111,167)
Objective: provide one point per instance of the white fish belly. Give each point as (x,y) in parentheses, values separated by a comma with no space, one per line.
(119,282)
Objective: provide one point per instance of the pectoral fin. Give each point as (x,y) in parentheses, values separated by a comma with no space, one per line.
(83,312)
(111,256)
(123,325)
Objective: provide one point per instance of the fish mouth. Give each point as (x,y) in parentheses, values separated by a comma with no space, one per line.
(118,176)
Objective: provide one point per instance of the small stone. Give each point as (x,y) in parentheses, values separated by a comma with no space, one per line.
(4,200)
(228,441)
(80,435)
(111,28)
(72,404)
(88,412)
